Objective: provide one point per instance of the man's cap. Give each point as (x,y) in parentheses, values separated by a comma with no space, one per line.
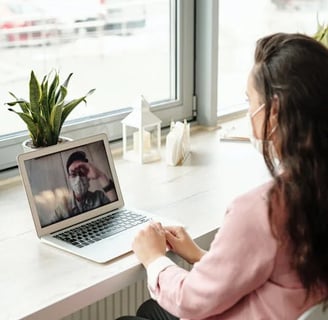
(76,156)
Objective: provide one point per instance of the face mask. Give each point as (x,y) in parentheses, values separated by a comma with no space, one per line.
(80,185)
(258,143)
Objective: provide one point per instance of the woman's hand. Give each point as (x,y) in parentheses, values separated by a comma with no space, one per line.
(181,243)
(150,243)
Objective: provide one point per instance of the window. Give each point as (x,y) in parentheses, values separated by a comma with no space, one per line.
(123,48)
(241,23)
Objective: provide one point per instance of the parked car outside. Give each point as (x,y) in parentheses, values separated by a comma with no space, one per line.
(81,15)
(111,16)
(124,16)
(35,22)
(23,23)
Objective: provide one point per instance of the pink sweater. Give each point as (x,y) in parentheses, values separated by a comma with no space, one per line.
(245,275)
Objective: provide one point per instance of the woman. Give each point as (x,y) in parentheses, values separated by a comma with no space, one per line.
(269,260)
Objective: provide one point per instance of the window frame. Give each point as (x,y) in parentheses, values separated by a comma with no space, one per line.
(110,123)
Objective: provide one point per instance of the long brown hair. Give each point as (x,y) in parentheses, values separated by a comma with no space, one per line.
(294,68)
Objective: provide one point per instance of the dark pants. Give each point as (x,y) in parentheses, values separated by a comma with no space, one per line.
(150,310)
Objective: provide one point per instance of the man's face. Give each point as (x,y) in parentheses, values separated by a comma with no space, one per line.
(78,179)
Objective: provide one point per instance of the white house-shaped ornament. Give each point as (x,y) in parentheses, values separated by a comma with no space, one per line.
(141,134)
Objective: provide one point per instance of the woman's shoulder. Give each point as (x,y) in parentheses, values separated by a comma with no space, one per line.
(259,193)
(247,217)
(252,203)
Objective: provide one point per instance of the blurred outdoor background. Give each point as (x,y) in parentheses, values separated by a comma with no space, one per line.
(125,48)
(241,23)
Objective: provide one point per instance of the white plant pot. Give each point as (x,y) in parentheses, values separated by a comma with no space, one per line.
(28,146)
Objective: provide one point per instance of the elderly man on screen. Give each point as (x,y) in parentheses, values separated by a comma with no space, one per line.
(80,172)
(61,203)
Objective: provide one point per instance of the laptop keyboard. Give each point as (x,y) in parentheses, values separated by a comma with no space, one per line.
(101,228)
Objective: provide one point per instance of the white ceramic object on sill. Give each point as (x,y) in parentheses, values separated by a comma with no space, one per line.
(27,144)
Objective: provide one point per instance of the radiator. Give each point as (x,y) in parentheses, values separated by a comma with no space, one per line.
(124,302)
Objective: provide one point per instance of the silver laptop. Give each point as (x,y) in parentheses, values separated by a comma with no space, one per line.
(76,200)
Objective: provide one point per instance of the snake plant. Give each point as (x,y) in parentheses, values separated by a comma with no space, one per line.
(321,34)
(47,109)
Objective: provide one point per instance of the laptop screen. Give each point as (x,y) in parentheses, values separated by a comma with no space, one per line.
(71,184)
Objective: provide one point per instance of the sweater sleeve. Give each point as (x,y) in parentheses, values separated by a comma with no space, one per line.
(240,259)
(153,271)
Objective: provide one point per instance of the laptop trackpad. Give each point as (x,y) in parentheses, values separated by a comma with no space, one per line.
(112,247)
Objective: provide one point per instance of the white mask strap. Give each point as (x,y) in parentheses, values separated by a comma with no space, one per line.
(257,110)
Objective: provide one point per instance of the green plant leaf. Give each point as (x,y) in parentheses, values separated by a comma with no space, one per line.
(69,107)
(50,137)
(44,97)
(14,96)
(24,105)
(90,92)
(324,39)
(26,118)
(45,137)
(52,91)
(321,34)
(44,117)
(55,120)
(61,94)
(65,83)
(35,93)
(31,126)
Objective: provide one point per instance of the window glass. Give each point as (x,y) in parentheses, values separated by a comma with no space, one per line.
(123,48)
(241,23)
